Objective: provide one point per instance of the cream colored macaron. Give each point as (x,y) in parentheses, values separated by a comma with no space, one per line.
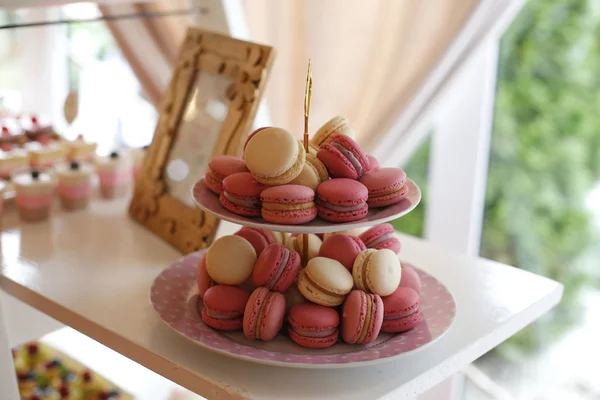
(351,232)
(230,260)
(336,125)
(325,281)
(296,243)
(279,237)
(274,156)
(377,271)
(313,173)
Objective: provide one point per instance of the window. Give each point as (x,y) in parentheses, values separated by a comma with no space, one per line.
(416,169)
(543,204)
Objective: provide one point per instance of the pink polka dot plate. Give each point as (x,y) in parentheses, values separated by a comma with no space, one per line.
(174,296)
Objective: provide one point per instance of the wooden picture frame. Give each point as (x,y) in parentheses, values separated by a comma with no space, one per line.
(160,201)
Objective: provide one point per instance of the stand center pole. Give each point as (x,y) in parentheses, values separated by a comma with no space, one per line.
(307,97)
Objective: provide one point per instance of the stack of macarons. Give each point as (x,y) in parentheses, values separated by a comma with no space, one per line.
(282,182)
(347,289)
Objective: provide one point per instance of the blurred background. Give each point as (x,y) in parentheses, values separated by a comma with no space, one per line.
(533,159)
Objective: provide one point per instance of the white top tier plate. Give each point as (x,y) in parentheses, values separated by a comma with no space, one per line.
(209,202)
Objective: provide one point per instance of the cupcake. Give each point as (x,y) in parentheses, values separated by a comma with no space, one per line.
(80,150)
(74,185)
(12,160)
(34,192)
(45,153)
(115,175)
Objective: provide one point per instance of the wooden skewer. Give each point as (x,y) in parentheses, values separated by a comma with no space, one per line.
(307,98)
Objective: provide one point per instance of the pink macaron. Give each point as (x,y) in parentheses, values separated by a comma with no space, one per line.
(241,194)
(362,316)
(264,314)
(204,280)
(343,248)
(380,237)
(219,168)
(288,204)
(410,278)
(401,310)
(224,307)
(343,157)
(342,200)
(313,326)
(259,238)
(373,163)
(276,268)
(386,186)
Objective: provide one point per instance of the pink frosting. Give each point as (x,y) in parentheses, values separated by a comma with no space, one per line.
(75,191)
(114,178)
(33,201)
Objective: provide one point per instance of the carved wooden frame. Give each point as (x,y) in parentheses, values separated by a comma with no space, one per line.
(247,65)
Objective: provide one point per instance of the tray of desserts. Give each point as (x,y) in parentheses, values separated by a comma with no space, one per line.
(45,373)
(252,296)
(278,185)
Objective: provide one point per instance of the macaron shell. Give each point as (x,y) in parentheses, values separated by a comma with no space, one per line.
(336,162)
(373,163)
(222,324)
(392,244)
(313,342)
(336,216)
(225,165)
(372,238)
(289,217)
(250,136)
(204,280)
(314,293)
(401,324)
(342,248)
(330,275)
(313,319)
(336,125)
(410,278)
(404,300)
(386,186)
(359,268)
(238,209)
(343,192)
(259,238)
(274,156)
(213,183)
(243,185)
(313,173)
(264,314)
(362,316)
(383,272)
(291,204)
(383,180)
(243,188)
(388,199)
(225,299)
(230,260)
(269,266)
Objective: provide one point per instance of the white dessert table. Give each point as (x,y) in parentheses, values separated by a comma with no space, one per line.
(92,270)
